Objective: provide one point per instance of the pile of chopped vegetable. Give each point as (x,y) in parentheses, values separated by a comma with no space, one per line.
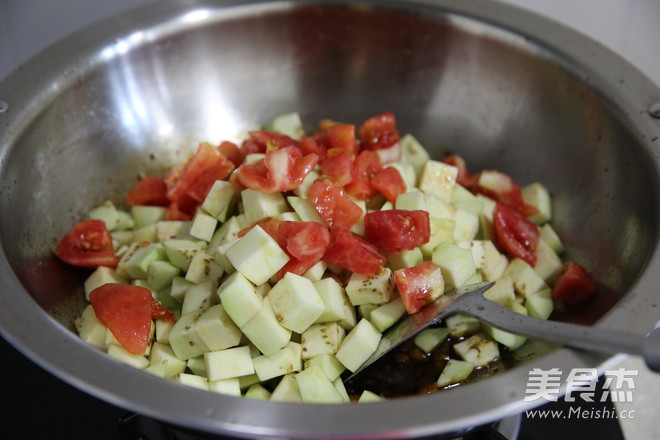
(269,268)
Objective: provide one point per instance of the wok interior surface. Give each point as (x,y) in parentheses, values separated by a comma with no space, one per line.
(143,99)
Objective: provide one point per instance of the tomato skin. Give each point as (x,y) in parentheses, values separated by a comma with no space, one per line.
(158,311)
(180,179)
(353,253)
(270,226)
(379,132)
(255,176)
(88,244)
(305,244)
(281,170)
(270,140)
(366,166)
(333,205)
(504,189)
(174,213)
(515,234)
(151,191)
(342,136)
(574,284)
(231,151)
(126,310)
(419,285)
(395,230)
(389,183)
(309,145)
(338,165)
(200,187)
(464,178)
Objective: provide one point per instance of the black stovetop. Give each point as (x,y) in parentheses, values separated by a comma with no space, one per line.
(36,405)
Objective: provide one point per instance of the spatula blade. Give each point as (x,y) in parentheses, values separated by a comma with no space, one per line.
(410,325)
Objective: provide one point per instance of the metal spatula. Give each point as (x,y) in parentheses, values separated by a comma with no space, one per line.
(470,300)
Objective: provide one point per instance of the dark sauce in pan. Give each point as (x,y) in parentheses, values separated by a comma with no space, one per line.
(408,370)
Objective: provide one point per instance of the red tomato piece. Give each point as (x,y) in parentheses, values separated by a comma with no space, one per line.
(304,242)
(180,179)
(281,170)
(269,140)
(464,178)
(338,165)
(300,168)
(397,229)
(333,205)
(201,186)
(419,285)
(574,284)
(366,166)
(389,183)
(174,213)
(158,311)
(254,176)
(88,244)
(231,151)
(342,136)
(248,146)
(309,145)
(515,234)
(126,310)
(150,191)
(379,132)
(504,189)
(353,253)
(270,226)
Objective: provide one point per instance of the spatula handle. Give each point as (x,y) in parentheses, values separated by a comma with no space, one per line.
(572,335)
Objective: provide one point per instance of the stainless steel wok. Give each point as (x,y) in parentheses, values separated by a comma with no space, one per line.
(504,88)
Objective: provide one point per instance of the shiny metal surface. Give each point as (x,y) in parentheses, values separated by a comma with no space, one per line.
(506,89)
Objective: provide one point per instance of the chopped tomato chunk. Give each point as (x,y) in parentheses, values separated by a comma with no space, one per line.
(342,136)
(333,205)
(338,165)
(389,183)
(366,166)
(270,226)
(353,253)
(379,132)
(515,234)
(231,151)
(158,311)
(419,285)
(88,244)
(304,242)
(281,170)
(309,145)
(126,310)
(464,178)
(574,284)
(150,191)
(174,213)
(504,189)
(200,187)
(270,140)
(397,229)
(182,177)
